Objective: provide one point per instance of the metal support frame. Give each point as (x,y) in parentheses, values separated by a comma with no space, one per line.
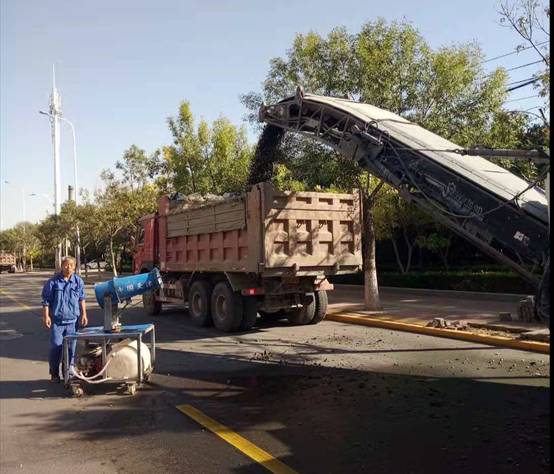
(97,334)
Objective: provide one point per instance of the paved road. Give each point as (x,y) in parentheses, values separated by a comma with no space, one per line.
(326,398)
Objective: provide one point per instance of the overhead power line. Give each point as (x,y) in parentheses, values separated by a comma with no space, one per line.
(520,81)
(524,84)
(513,52)
(513,68)
(522,98)
(524,65)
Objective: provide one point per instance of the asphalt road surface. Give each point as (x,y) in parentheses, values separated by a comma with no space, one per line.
(329,398)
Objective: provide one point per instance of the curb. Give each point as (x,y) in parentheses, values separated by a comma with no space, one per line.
(500,341)
(476,294)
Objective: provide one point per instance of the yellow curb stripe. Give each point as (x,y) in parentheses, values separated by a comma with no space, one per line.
(242,444)
(23,305)
(501,341)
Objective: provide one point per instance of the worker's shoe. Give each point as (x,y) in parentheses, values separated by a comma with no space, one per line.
(55,378)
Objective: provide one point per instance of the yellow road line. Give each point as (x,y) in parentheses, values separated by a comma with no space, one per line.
(242,444)
(23,305)
(501,341)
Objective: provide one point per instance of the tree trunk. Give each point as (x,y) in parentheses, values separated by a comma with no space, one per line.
(372,301)
(112,257)
(397,255)
(31,258)
(444,254)
(410,247)
(85,259)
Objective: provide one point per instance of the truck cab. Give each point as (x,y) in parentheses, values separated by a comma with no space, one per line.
(145,257)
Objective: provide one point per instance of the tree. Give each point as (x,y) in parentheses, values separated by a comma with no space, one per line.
(403,224)
(119,208)
(206,159)
(390,66)
(530,19)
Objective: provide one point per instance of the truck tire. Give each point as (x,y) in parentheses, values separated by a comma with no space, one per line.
(151,306)
(321,302)
(249,313)
(199,303)
(227,307)
(305,314)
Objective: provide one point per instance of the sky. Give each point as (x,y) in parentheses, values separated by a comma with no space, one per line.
(123,67)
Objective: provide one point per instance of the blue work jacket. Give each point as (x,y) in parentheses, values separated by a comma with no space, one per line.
(62,297)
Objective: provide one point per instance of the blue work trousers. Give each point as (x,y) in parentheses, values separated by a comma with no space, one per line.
(57,333)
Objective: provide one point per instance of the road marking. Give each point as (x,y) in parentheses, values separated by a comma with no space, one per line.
(23,305)
(242,444)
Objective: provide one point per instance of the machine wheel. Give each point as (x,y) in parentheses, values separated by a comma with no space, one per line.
(199,303)
(305,314)
(542,306)
(77,391)
(321,302)
(249,313)
(227,307)
(151,306)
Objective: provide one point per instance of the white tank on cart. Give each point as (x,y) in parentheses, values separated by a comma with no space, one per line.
(123,360)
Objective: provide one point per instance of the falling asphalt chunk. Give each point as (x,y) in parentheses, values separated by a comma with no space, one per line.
(267,153)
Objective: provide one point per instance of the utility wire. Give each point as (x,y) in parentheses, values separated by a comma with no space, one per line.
(522,98)
(524,65)
(517,51)
(515,67)
(524,84)
(520,81)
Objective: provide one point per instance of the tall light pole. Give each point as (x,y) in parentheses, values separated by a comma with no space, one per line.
(55,114)
(63,119)
(78,234)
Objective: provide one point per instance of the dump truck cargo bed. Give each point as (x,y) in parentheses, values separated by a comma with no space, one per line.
(262,231)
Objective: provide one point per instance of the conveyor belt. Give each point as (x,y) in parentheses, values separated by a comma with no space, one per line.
(502,214)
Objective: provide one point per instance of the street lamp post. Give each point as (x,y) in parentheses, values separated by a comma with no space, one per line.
(78,246)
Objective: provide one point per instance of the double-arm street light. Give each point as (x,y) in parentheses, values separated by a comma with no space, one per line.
(78,247)
(63,119)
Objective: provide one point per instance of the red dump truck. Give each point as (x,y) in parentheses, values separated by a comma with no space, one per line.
(7,262)
(262,251)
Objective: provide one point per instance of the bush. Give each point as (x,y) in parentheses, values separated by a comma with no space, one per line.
(494,281)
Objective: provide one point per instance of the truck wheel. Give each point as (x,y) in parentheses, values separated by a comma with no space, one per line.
(151,306)
(227,307)
(249,313)
(321,303)
(305,314)
(199,303)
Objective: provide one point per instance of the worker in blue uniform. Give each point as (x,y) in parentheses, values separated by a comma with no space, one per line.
(63,308)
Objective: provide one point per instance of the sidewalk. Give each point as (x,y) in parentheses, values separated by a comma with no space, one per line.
(439,312)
